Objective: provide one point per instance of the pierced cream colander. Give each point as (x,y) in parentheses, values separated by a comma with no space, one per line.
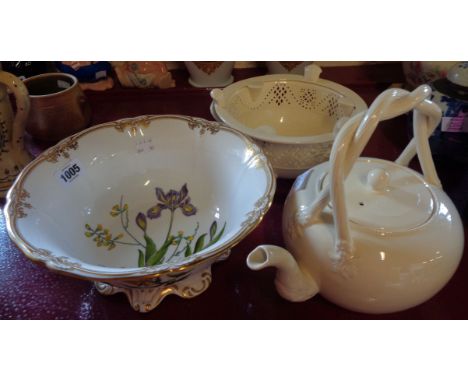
(292,117)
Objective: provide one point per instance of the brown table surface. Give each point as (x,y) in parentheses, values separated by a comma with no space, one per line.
(30,291)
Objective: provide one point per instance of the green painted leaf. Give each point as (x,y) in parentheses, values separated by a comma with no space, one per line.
(158,256)
(213,228)
(199,244)
(218,236)
(150,248)
(141,258)
(188,251)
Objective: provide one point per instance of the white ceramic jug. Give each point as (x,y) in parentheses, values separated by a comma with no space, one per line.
(368,234)
(13,156)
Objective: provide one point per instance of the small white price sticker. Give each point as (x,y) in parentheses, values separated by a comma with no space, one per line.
(70,172)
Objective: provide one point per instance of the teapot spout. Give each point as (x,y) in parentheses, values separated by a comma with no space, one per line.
(291,282)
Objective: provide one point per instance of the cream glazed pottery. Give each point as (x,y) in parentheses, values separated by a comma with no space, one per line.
(210,73)
(369,235)
(294,118)
(13,155)
(141,206)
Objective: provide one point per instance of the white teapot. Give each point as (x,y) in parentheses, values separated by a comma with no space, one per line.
(368,234)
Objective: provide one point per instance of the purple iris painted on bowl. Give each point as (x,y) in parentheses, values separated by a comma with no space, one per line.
(172,200)
(174,246)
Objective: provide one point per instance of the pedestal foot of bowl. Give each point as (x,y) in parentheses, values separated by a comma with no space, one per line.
(145,299)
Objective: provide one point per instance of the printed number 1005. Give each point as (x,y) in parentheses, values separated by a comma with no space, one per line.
(70,173)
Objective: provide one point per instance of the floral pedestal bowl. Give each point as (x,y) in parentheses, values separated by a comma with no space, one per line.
(142,206)
(292,117)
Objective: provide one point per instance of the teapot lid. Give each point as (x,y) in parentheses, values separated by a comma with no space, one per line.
(385,196)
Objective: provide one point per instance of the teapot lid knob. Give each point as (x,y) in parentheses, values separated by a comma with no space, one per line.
(377,179)
(387,197)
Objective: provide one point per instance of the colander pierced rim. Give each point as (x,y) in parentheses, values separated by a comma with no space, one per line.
(220,112)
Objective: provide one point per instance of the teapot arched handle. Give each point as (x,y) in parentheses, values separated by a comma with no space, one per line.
(390,104)
(21,94)
(354,136)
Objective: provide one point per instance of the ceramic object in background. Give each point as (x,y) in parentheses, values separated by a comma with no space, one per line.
(458,75)
(291,117)
(451,94)
(92,75)
(104,204)
(25,69)
(210,74)
(369,235)
(287,67)
(144,74)
(58,107)
(423,72)
(450,140)
(13,155)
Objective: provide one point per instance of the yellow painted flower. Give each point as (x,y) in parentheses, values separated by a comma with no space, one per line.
(115,210)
